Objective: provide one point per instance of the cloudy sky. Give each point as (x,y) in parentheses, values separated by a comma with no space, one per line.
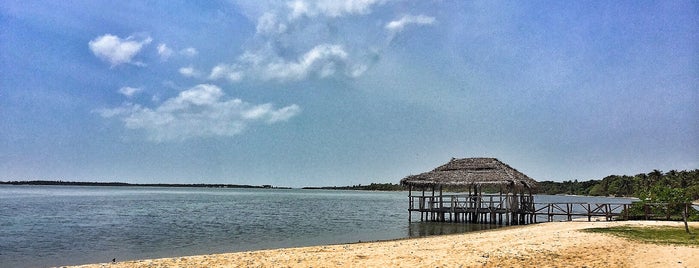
(328,92)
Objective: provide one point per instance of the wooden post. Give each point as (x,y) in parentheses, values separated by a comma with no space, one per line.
(422,205)
(645,209)
(432,218)
(569,209)
(441,204)
(410,203)
(477,203)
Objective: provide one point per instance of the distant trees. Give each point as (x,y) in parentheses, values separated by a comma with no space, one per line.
(370,187)
(662,195)
(639,185)
(567,187)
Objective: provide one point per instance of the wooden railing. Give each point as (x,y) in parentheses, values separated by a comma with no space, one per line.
(456,202)
(438,206)
(589,210)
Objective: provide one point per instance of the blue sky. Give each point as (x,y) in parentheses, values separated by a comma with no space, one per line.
(314,93)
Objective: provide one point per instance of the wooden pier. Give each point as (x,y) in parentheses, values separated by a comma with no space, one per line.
(500,209)
(569,210)
(513,205)
(503,209)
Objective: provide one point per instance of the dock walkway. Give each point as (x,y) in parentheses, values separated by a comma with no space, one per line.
(509,210)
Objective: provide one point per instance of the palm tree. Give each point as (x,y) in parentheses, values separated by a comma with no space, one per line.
(643,184)
(654,177)
(626,186)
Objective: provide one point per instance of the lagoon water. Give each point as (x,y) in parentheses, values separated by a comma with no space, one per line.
(62,225)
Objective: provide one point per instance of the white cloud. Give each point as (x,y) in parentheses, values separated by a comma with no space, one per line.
(164,51)
(358,70)
(288,47)
(117,51)
(298,8)
(198,112)
(129,91)
(203,94)
(189,71)
(268,114)
(399,25)
(224,71)
(189,52)
(284,114)
(323,59)
(269,24)
(330,8)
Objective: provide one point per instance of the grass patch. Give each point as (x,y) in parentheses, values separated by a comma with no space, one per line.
(656,235)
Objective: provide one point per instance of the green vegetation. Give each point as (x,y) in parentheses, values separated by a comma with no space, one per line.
(663,196)
(657,235)
(642,185)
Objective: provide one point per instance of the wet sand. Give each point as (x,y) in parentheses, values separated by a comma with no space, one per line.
(553,244)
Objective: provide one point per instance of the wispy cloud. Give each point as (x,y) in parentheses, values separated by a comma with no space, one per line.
(189,52)
(129,91)
(292,47)
(268,23)
(198,112)
(399,25)
(330,8)
(164,51)
(116,51)
(320,61)
(231,72)
(189,71)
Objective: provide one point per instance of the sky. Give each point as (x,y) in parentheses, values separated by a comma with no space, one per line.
(320,93)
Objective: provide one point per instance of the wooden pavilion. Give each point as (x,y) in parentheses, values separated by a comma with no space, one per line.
(512,203)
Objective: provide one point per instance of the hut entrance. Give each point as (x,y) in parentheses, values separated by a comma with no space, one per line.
(509,199)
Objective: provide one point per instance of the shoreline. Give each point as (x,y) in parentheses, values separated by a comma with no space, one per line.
(559,244)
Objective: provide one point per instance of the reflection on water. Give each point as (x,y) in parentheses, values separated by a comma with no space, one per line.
(418,229)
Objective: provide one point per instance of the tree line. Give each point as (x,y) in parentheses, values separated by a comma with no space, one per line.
(653,185)
(81,183)
(643,185)
(370,187)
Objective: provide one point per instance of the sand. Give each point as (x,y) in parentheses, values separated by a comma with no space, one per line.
(553,244)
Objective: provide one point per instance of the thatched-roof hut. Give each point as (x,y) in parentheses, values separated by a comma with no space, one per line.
(514,198)
(471,171)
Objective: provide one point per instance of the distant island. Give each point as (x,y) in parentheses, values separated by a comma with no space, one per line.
(200,185)
(370,187)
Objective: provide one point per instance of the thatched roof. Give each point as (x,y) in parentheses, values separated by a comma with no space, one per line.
(471,171)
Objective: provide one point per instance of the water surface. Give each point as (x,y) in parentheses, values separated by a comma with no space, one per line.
(63,225)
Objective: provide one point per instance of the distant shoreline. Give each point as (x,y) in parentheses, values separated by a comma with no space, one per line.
(200,185)
(369,187)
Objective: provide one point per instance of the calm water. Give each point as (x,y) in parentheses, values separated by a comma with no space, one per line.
(61,225)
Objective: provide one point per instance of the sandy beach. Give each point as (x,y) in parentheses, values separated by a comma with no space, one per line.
(553,244)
